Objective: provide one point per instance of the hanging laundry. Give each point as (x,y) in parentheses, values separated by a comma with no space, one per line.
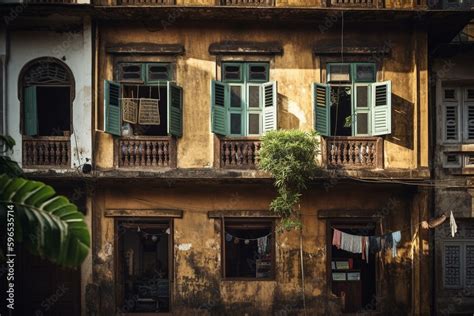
(452,224)
(365,248)
(262,245)
(374,243)
(396,237)
(336,238)
(356,244)
(346,241)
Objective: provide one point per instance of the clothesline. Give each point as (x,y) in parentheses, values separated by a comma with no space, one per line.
(253,239)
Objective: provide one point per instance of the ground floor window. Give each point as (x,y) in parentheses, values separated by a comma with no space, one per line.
(352,277)
(249,249)
(144,266)
(458,264)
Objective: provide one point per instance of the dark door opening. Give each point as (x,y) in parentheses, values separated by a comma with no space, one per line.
(341,111)
(144,267)
(54,110)
(351,276)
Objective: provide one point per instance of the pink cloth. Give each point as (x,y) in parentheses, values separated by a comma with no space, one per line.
(336,239)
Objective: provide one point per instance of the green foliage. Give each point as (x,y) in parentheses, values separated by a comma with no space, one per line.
(48,225)
(290,156)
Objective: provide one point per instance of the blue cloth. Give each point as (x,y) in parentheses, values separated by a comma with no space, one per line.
(396,237)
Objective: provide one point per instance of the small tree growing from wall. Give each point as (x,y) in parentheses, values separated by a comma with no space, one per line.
(290,156)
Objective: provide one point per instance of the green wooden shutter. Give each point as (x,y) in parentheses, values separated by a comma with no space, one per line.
(31,112)
(113,122)
(381,108)
(321,108)
(270,110)
(175,109)
(219,100)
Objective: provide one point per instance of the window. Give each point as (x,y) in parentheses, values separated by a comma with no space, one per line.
(143,101)
(47,86)
(244,102)
(144,268)
(458,264)
(458,115)
(352,103)
(248,249)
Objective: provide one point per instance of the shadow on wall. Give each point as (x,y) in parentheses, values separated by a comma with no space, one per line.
(402,122)
(286,120)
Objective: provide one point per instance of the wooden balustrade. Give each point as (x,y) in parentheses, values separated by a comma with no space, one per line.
(51,1)
(47,151)
(145,152)
(146,2)
(354,3)
(263,3)
(237,153)
(353,152)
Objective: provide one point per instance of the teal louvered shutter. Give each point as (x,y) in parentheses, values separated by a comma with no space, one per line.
(381,108)
(219,100)
(270,109)
(321,108)
(31,112)
(175,109)
(112,117)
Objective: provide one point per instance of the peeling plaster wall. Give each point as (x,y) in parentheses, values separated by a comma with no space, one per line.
(198,287)
(294,71)
(76,46)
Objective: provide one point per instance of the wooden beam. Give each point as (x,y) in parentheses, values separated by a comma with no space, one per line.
(241,214)
(349,213)
(146,49)
(144,213)
(243,48)
(352,50)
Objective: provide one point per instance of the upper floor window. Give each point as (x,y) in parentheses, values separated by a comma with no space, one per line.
(352,103)
(458,264)
(46,91)
(458,115)
(244,103)
(144,100)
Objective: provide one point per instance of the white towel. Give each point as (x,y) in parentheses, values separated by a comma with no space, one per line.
(452,224)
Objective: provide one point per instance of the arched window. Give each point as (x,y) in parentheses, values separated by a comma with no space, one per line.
(46,92)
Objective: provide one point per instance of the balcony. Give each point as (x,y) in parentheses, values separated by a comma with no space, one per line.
(145,152)
(258,3)
(353,152)
(237,152)
(355,3)
(146,2)
(51,1)
(46,152)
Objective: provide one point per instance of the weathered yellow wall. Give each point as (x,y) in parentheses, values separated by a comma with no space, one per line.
(295,70)
(197,278)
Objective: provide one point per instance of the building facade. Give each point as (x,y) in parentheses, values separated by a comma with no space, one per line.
(167,105)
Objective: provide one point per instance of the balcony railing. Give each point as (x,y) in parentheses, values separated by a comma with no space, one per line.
(145,152)
(355,3)
(47,151)
(262,3)
(51,1)
(353,152)
(237,153)
(146,2)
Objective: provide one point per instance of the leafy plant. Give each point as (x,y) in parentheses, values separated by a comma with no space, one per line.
(48,225)
(290,156)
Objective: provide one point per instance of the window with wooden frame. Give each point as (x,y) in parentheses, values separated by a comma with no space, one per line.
(458,264)
(46,86)
(458,115)
(352,103)
(244,103)
(143,100)
(248,249)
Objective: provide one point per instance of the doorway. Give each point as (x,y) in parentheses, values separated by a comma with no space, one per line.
(351,277)
(143,266)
